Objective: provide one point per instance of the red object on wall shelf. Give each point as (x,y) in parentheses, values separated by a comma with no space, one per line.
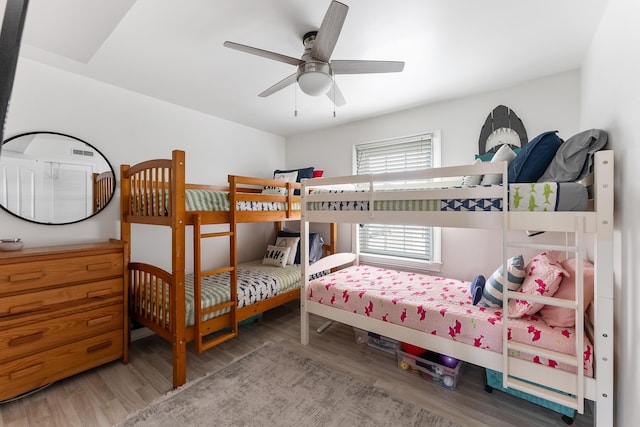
(317,173)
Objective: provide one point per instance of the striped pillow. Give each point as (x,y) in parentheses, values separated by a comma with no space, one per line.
(492,293)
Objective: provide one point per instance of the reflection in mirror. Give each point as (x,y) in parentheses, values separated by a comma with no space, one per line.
(53,178)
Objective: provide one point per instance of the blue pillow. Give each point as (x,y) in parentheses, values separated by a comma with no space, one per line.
(315,245)
(302,173)
(476,288)
(533,160)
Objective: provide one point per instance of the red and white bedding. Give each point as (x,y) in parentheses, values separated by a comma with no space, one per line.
(442,307)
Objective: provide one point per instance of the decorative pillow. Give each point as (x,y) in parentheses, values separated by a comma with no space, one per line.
(493,288)
(315,245)
(472,179)
(488,156)
(565,317)
(485,157)
(571,161)
(476,288)
(301,173)
(505,153)
(543,276)
(287,177)
(292,244)
(533,160)
(276,255)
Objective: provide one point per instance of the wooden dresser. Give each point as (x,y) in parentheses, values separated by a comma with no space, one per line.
(62,311)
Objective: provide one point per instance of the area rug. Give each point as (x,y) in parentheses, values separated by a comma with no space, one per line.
(274,386)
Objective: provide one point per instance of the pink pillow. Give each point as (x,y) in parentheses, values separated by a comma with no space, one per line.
(565,317)
(543,275)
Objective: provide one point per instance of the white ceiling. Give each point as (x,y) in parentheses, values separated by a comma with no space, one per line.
(172,50)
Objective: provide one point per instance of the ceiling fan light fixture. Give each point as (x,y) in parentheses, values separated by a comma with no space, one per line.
(315,83)
(315,78)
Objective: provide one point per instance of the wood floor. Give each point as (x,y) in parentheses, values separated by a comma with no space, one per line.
(106,395)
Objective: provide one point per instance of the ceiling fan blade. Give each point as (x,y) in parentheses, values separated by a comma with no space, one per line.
(264,53)
(329,31)
(336,96)
(287,81)
(363,67)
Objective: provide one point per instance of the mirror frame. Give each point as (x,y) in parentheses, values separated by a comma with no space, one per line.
(114,183)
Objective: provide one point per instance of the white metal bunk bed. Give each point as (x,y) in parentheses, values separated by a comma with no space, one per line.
(321,207)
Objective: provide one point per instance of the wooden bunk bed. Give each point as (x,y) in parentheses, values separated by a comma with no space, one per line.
(154,192)
(103,187)
(378,199)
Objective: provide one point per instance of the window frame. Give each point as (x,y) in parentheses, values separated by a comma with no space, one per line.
(404,263)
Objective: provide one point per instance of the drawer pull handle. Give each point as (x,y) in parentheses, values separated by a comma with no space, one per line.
(99,320)
(25,307)
(26,371)
(25,339)
(26,276)
(99,347)
(99,293)
(101,266)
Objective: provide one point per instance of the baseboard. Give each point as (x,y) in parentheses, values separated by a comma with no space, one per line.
(140,333)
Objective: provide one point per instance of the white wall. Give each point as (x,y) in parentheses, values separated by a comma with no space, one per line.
(611,101)
(127,128)
(550,103)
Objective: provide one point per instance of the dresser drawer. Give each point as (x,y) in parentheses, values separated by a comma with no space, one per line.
(32,302)
(38,336)
(26,276)
(21,375)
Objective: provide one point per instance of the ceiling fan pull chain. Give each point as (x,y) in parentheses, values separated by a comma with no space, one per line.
(334,96)
(295,100)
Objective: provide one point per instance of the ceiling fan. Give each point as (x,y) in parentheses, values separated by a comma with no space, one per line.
(315,74)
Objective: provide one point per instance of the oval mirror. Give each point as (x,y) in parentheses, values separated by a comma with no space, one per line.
(53,178)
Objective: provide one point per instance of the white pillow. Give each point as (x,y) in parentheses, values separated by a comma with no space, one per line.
(472,179)
(505,153)
(292,244)
(276,255)
(283,176)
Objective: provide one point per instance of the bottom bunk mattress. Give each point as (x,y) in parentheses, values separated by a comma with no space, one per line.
(441,307)
(256,282)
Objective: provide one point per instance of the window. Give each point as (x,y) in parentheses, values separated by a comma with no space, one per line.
(409,246)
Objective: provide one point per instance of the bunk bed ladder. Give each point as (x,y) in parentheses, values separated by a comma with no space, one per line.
(198,276)
(515,369)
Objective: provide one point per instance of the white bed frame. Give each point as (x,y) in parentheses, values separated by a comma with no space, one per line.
(598,222)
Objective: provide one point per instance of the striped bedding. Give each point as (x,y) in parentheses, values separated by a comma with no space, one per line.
(212,201)
(256,282)
(441,307)
(535,197)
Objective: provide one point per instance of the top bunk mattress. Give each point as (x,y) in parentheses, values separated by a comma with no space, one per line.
(213,200)
(531,197)
(209,201)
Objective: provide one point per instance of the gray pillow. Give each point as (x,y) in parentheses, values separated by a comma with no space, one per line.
(574,158)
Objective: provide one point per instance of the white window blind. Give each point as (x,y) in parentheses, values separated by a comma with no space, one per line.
(406,154)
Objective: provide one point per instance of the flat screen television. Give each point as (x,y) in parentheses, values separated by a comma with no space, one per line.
(10,36)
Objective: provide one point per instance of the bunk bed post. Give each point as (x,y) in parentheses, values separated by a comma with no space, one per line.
(125,234)
(333,236)
(304,259)
(604,291)
(233,252)
(177,313)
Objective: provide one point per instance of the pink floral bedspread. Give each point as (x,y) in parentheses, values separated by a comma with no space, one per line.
(442,307)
